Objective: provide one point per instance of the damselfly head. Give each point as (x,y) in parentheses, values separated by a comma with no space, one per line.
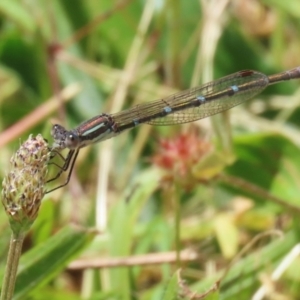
(64,138)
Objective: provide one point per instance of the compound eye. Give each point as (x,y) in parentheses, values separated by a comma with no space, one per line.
(72,141)
(58,132)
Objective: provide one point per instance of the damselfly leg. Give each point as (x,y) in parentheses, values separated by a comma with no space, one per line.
(69,162)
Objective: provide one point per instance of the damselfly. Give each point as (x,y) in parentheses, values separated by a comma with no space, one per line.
(183,107)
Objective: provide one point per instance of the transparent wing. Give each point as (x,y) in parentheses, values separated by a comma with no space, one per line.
(184,107)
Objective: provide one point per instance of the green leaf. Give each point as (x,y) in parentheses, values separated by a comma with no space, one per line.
(171,291)
(227,234)
(246,271)
(41,264)
(123,221)
(269,161)
(18,14)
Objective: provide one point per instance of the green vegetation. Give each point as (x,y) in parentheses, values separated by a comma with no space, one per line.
(157,212)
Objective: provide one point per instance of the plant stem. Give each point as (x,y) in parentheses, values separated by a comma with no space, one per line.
(176,197)
(14,253)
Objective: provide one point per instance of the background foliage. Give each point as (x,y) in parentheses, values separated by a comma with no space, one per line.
(202,190)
